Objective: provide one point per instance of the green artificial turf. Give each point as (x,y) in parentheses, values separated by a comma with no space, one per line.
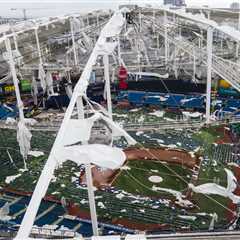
(136,180)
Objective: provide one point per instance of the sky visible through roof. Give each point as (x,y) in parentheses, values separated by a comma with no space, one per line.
(37,8)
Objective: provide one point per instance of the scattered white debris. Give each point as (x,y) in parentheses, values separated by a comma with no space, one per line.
(139,133)
(10,179)
(169,119)
(172,146)
(192,218)
(187,100)
(123,211)
(135,201)
(192,114)
(36,153)
(54,179)
(120,115)
(98,197)
(157,113)
(83,201)
(55,193)
(141,119)
(120,196)
(30,121)
(22,170)
(101,205)
(155,179)
(192,154)
(50,227)
(179,196)
(135,110)
(125,168)
(10,121)
(74,179)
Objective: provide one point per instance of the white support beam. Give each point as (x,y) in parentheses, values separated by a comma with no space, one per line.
(194,66)
(38,46)
(239,20)
(15,41)
(165,37)
(119,51)
(237,50)
(209,73)
(140,21)
(110,30)
(80,107)
(154,22)
(88,172)
(98,23)
(107,84)
(16,86)
(91,198)
(73,44)
(209,15)
(15,79)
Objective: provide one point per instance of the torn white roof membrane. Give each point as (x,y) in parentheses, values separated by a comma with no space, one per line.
(213,188)
(24,138)
(110,30)
(98,154)
(42,77)
(78,130)
(200,18)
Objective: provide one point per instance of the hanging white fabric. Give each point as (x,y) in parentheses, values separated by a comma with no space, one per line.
(42,77)
(24,138)
(105,91)
(49,83)
(213,188)
(79,130)
(98,154)
(34,87)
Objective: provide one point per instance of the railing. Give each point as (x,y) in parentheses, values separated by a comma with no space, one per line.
(53,126)
(40,232)
(224,68)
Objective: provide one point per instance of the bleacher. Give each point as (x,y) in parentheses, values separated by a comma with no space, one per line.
(6,111)
(161,99)
(222,153)
(48,214)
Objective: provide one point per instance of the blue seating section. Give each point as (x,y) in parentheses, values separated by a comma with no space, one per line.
(8,111)
(49,218)
(229,106)
(87,229)
(2,202)
(161,99)
(70,224)
(222,107)
(15,208)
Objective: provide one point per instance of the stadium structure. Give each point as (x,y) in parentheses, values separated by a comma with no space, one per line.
(121,125)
